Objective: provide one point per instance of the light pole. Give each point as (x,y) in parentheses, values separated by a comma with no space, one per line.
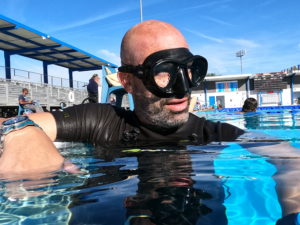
(141,10)
(240,54)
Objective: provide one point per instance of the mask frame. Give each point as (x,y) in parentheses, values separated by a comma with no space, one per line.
(186,71)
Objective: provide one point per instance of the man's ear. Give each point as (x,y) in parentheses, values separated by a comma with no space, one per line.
(126,80)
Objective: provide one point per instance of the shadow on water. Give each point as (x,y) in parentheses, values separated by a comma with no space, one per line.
(132,186)
(214,184)
(164,191)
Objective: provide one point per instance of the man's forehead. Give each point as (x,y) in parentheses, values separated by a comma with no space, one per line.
(150,37)
(159,44)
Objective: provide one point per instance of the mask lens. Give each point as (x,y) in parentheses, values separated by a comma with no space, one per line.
(163,74)
(197,70)
(190,74)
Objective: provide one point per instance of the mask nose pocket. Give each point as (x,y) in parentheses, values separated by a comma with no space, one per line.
(181,86)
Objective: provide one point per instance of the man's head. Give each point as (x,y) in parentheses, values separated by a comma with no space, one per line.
(153,38)
(25,91)
(250,105)
(95,77)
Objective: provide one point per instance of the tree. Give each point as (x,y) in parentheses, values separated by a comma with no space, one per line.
(211,74)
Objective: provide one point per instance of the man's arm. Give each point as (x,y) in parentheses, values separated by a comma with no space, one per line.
(286,159)
(47,122)
(31,149)
(21,102)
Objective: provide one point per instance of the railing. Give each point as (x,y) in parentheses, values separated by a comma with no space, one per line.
(29,76)
(292,69)
(45,94)
(57,90)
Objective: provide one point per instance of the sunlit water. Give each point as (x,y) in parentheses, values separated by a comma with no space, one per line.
(221,183)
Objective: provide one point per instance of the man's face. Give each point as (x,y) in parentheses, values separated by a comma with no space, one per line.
(160,112)
(138,44)
(25,93)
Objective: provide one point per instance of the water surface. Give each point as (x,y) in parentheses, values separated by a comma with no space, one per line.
(221,183)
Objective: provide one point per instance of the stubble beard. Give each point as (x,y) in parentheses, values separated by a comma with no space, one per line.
(154,113)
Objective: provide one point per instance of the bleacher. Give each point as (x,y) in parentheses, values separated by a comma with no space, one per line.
(47,95)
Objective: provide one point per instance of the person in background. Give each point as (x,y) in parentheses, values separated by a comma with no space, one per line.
(250,105)
(92,88)
(197,105)
(25,103)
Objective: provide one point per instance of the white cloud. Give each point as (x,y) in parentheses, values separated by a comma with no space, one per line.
(207,4)
(109,56)
(204,36)
(265,3)
(92,19)
(222,56)
(217,20)
(14,9)
(243,43)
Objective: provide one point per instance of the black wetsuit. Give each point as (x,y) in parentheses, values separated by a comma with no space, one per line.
(163,176)
(105,124)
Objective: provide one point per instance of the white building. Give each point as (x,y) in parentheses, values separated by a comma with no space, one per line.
(230,91)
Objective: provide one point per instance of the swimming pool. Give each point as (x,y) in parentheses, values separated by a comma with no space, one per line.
(221,183)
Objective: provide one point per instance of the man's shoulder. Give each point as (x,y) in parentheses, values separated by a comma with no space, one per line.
(104,108)
(94,114)
(203,123)
(194,118)
(216,131)
(206,122)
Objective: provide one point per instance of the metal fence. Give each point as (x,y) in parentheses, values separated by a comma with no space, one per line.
(29,76)
(46,95)
(49,95)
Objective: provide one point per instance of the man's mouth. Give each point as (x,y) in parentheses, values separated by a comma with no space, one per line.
(177,105)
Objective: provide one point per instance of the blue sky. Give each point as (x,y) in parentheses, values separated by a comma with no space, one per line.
(269,30)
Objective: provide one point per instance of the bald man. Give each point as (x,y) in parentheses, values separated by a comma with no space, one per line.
(159,71)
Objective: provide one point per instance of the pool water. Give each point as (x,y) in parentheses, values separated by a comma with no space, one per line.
(221,183)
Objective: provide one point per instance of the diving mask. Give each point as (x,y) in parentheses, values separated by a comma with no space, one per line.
(170,73)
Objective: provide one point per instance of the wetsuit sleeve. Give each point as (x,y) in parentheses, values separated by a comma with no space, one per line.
(86,122)
(221,131)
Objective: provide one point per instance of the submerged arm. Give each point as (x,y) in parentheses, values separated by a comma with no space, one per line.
(286,159)
(31,150)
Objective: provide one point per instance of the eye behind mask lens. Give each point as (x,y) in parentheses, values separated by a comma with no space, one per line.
(164,74)
(172,72)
